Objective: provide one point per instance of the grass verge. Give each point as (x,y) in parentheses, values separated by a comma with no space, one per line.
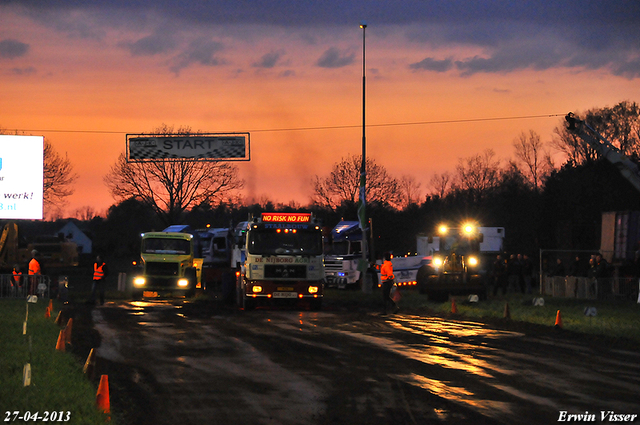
(57,381)
(616,319)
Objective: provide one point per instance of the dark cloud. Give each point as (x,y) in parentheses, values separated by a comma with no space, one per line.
(334,58)
(201,51)
(595,34)
(153,44)
(23,71)
(11,49)
(288,73)
(431,64)
(630,69)
(269,60)
(374,12)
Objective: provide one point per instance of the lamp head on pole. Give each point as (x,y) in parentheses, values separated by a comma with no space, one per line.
(363,25)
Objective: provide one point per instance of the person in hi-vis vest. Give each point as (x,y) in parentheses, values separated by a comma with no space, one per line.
(34,270)
(100,272)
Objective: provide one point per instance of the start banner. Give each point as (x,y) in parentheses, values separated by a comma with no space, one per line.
(206,147)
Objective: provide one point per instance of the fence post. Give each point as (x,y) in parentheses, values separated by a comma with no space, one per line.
(122,282)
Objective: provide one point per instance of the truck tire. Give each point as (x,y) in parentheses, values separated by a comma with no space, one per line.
(316,304)
(422,278)
(248,304)
(192,275)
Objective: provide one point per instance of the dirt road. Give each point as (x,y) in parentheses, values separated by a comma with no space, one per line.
(179,363)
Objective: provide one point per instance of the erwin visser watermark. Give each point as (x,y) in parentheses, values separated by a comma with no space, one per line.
(603,416)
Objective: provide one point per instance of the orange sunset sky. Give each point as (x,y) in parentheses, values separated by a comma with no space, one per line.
(85,73)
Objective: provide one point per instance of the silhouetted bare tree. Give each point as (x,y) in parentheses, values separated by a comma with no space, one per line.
(477,174)
(532,159)
(342,184)
(171,187)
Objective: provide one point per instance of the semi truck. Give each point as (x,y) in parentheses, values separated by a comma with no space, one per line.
(283,261)
(344,252)
(216,253)
(171,264)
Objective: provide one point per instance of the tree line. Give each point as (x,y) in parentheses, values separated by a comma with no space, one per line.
(540,204)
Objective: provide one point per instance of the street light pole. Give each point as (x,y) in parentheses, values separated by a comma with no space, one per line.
(362,215)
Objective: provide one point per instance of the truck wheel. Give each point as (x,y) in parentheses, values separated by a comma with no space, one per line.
(422,278)
(248,304)
(136,296)
(192,275)
(316,304)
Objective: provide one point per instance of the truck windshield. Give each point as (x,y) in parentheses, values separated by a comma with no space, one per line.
(459,245)
(344,248)
(166,246)
(269,242)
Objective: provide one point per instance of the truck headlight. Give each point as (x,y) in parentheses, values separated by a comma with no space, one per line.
(256,288)
(313,289)
(437,261)
(139,281)
(183,282)
(473,261)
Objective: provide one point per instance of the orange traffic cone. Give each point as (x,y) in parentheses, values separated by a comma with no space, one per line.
(60,344)
(67,331)
(47,313)
(50,304)
(454,307)
(102,397)
(507,313)
(558,320)
(58,318)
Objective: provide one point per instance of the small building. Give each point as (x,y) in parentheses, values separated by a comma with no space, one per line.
(72,233)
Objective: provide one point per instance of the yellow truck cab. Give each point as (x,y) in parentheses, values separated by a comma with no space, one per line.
(169,265)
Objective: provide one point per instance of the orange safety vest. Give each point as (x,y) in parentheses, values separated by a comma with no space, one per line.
(98,272)
(17,276)
(34,266)
(386,271)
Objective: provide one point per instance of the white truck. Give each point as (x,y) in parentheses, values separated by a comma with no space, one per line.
(344,251)
(283,261)
(428,248)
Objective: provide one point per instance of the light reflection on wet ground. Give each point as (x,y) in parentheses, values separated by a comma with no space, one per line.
(303,357)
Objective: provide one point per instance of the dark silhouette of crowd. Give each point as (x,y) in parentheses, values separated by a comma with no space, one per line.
(513,274)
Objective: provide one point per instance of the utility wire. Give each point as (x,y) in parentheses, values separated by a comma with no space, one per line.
(336,127)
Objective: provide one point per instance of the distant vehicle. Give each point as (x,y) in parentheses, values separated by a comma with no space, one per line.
(217,244)
(171,263)
(343,254)
(460,260)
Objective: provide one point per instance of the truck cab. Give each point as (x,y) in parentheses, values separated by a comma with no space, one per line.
(343,254)
(169,265)
(459,260)
(283,261)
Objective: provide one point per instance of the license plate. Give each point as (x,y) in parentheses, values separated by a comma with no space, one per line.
(285,295)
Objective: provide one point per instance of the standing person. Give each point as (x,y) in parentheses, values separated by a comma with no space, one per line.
(386,274)
(527,273)
(100,271)
(514,270)
(17,277)
(499,276)
(34,270)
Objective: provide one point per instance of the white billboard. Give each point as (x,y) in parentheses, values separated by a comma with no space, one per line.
(21,177)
